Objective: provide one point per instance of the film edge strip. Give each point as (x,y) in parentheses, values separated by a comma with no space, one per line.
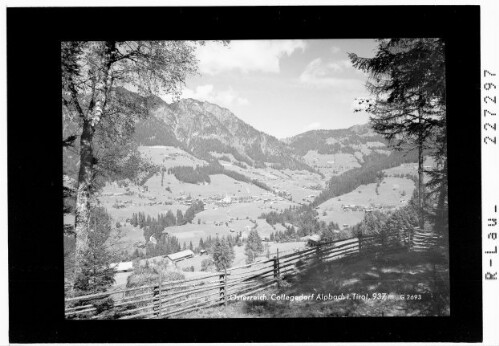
(490,170)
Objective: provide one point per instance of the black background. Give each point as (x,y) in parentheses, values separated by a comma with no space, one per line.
(35,164)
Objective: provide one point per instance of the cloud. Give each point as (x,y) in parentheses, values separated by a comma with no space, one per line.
(226,98)
(246,56)
(329,74)
(202,92)
(335,49)
(312,126)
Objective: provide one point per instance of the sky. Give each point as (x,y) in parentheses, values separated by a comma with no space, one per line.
(283,87)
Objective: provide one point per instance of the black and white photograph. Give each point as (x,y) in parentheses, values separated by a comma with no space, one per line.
(248,174)
(255,178)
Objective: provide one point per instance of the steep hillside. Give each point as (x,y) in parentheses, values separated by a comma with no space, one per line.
(204,129)
(333,152)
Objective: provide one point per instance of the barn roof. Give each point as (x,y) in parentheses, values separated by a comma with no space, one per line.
(315,237)
(180,255)
(122,266)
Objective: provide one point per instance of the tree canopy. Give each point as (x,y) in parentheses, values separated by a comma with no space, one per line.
(102,117)
(407,82)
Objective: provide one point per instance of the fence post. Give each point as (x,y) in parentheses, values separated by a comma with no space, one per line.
(156,300)
(225,287)
(411,238)
(405,238)
(359,236)
(277,273)
(159,292)
(222,287)
(318,252)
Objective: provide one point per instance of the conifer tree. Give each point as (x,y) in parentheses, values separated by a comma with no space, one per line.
(180,218)
(96,275)
(254,246)
(223,254)
(407,79)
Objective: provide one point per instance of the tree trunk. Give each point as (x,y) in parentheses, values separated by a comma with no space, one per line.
(421,190)
(441,214)
(101,89)
(83,195)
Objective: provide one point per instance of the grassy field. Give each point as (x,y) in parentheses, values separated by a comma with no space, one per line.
(156,200)
(170,156)
(409,168)
(392,192)
(297,183)
(331,164)
(161,195)
(393,284)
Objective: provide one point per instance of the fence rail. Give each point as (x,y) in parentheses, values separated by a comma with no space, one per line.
(165,299)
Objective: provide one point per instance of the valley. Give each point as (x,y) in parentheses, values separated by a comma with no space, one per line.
(201,152)
(233,205)
(198,171)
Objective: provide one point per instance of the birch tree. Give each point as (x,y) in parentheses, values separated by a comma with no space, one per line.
(92,75)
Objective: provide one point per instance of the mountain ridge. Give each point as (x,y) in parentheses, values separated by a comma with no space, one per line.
(204,128)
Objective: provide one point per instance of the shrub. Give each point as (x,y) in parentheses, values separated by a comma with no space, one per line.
(103,304)
(173,276)
(207,265)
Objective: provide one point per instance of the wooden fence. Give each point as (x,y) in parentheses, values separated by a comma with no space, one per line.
(171,298)
(423,240)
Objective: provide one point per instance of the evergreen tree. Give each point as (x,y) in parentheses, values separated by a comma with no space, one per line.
(223,255)
(438,187)
(254,246)
(170,219)
(250,256)
(96,275)
(207,264)
(408,83)
(180,218)
(373,223)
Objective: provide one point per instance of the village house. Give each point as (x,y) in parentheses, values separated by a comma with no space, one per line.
(312,240)
(122,267)
(157,260)
(180,256)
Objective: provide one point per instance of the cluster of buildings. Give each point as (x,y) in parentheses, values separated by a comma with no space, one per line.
(353,207)
(185,200)
(222,201)
(173,259)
